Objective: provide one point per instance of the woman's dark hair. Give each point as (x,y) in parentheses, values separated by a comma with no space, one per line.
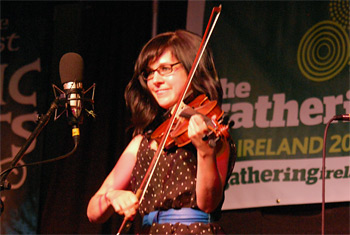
(184,46)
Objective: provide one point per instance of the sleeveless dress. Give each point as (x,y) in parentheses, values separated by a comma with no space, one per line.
(172,186)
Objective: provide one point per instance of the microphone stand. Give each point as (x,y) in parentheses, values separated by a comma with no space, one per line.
(43,120)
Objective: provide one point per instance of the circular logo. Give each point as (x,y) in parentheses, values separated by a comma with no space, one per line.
(323,51)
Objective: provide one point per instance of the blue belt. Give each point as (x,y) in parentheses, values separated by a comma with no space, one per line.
(184,215)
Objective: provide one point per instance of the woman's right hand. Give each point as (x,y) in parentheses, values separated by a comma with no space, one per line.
(112,196)
(124,202)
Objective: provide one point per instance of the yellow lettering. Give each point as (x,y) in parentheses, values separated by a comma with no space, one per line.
(248,146)
(260,147)
(298,145)
(313,141)
(268,148)
(239,148)
(284,147)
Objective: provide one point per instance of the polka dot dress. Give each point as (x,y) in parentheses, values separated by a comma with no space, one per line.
(172,186)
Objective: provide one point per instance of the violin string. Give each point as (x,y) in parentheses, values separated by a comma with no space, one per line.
(143,187)
(172,120)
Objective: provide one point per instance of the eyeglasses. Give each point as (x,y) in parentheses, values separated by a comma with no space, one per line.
(163,70)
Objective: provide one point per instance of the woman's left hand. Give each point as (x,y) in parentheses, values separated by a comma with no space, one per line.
(210,175)
(197,129)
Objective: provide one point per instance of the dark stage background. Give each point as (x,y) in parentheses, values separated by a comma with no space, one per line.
(109,36)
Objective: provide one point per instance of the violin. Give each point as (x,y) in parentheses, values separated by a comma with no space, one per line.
(200,105)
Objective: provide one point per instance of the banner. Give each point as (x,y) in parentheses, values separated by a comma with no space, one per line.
(284,69)
(22,44)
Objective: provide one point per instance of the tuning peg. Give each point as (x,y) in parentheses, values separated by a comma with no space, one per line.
(224,120)
(212,142)
(231,123)
(206,137)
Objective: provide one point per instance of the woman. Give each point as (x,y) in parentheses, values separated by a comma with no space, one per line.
(188,185)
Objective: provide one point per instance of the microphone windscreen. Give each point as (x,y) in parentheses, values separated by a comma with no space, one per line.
(71,68)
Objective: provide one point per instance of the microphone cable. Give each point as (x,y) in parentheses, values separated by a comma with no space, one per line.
(337,117)
(45,161)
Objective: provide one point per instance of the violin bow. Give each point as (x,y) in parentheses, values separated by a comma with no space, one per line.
(126,224)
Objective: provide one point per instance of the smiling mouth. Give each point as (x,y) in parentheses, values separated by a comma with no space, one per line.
(161,92)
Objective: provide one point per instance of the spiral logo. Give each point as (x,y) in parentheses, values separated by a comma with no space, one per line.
(323,51)
(339,12)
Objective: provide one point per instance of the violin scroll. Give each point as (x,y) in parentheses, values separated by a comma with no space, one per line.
(224,124)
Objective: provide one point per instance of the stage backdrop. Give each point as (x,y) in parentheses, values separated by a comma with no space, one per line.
(284,69)
(23,91)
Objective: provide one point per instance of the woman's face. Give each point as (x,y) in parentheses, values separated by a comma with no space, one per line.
(166,89)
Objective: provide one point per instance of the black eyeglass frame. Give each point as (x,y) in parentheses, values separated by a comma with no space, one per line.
(145,74)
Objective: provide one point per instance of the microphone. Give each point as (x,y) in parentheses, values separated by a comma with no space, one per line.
(71,72)
(343,117)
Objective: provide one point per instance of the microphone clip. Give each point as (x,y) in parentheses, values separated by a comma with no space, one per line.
(74,100)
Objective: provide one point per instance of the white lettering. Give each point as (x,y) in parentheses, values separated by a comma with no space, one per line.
(311,112)
(346,104)
(3,67)
(17,128)
(230,90)
(245,117)
(279,108)
(262,106)
(14,83)
(243,90)
(331,103)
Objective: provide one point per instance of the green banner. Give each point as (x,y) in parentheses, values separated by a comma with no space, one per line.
(284,69)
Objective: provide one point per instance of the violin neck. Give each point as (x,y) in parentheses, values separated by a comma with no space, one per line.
(181,107)
(189,96)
